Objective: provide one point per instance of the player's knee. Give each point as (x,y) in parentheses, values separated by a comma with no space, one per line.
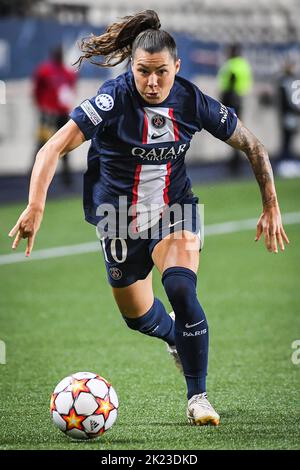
(129,308)
(149,321)
(132,323)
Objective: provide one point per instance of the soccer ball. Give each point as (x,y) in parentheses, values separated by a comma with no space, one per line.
(84,405)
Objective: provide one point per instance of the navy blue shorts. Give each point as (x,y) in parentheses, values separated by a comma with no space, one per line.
(128,260)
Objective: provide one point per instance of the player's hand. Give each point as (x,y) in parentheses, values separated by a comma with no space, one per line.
(26,227)
(270,225)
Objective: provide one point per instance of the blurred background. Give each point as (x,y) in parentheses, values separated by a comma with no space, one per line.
(246,54)
(57,314)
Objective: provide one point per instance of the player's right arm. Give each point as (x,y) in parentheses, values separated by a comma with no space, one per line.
(63,141)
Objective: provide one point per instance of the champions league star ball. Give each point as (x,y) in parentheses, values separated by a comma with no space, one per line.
(84,405)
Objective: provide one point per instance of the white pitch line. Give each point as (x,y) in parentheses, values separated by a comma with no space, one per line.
(55,252)
(91,247)
(240,225)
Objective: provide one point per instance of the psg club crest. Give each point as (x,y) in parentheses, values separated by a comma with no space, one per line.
(115,273)
(158,121)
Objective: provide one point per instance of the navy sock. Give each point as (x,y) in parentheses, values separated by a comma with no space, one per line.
(156,322)
(191,329)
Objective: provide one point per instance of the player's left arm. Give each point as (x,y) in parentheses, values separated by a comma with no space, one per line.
(269,223)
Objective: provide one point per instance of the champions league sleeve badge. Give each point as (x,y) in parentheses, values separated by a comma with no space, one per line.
(104,102)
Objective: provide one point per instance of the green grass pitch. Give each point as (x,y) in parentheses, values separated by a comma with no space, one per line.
(58,317)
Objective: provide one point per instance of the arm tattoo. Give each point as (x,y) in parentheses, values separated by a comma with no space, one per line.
(243,139)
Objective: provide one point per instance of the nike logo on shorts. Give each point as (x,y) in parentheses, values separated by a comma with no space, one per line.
(178,222)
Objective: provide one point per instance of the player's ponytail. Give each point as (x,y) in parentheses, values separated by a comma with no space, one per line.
(120,40)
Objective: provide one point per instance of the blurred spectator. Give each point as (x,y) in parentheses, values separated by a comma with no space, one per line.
(234,81)
(289,111)
(289,120)
(53,91)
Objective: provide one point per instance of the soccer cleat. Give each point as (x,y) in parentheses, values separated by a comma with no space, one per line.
(173,351)
(200,412)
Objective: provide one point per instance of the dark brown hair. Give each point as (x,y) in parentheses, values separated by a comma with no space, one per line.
(120,40)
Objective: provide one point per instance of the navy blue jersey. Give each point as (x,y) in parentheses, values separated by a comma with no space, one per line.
(138,149)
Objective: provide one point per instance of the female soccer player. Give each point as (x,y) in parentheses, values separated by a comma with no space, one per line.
(140,125)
